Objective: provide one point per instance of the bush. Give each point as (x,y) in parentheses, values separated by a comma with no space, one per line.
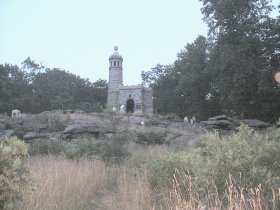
(115,150)
(162,168)
(45,147)
(249,158)
(84,147)
(14,175)
(111,150)
(151,137)
(173,117)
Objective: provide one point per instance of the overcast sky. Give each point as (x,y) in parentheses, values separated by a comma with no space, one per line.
(79,35)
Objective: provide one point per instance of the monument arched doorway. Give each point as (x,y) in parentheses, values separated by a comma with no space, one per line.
(130,106)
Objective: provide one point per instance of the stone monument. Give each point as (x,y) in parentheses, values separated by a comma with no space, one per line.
(136,99)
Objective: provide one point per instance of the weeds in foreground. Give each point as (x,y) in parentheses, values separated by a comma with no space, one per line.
(239,171)
(233,198)
(90,184)
(84,184)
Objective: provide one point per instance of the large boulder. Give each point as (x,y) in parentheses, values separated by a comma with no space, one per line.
(84,126)
(34,135)
(224,124)
(7,133)
(255,123)
(220,117)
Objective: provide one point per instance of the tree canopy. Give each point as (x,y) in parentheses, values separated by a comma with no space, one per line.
(229,72)
(34,88)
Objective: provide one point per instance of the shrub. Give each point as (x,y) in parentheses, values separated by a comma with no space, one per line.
(115,150)
(45,147)
(84,147)
(14,175)
(151,137)
(55,123)
(249,158)
(247,154)
(162,168)
(173,117)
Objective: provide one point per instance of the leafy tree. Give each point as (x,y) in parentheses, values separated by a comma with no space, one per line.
(194,81)
(57,89)
(244,48)
(13,86)
(34,88)
(150,78)
(184,88)
(163,80)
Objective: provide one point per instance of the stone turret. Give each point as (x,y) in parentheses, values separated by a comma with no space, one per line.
(115,78)
(133,99)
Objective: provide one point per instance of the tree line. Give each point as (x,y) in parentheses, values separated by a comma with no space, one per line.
(32,88)
(231,71)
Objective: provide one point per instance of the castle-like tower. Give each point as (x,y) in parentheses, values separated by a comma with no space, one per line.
(134,99)
(115,78)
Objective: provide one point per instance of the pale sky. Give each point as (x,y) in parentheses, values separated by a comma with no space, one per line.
(79,35)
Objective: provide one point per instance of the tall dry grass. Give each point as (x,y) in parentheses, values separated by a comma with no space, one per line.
(85,184)
(90,184)
(63,184)
(235,198)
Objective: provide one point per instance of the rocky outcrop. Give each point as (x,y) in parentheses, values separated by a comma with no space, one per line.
(7,133)
(224,122)
(84,126)
(217,118)
(255,123)
(218,122)
(37,127)
(34,135)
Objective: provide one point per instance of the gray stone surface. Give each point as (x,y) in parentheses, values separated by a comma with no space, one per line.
(255,123)
(34,135)
(83,126)
(7,133)
(217,124)
(220,117)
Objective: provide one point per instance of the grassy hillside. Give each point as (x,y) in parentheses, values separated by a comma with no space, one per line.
(156,167)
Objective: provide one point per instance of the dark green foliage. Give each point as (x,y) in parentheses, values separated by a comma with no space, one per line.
(244,57)
(34,88)
(151,137)
(194,81)
(57,89)
(14,175)
(45,147)
(163,168)
(231,72)
(111,150)
(184,88)
(115,150)
(173,117)
(14,90)
(163,80)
